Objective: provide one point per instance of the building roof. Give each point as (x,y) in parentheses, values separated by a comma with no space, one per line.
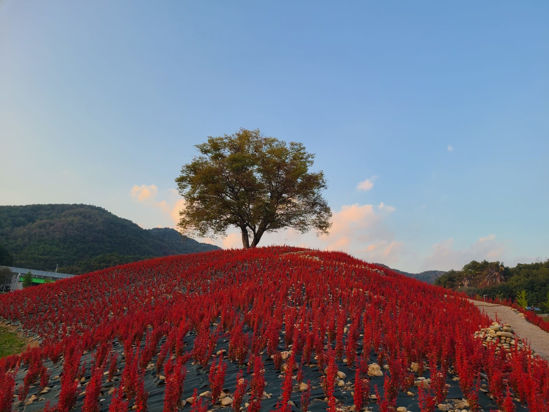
(41,273)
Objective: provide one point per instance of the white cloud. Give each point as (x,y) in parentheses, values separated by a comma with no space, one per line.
(450,148)
(358,229)
(366,184)
(144,192)
(383,251)
(444,255)
(487,238)
(386,208)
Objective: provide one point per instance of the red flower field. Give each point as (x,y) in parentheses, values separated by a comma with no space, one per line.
(274,328)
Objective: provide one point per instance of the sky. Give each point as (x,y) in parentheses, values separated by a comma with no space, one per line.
(429,119)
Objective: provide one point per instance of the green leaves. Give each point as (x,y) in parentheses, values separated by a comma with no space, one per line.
(252,182)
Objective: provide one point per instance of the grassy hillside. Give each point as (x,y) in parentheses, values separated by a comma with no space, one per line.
(82,238)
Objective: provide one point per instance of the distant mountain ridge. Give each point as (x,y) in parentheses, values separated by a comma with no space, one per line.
(77,238)
(427,276)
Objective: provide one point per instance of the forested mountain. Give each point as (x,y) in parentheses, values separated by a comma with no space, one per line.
(82,238)
(428,276)
(493,279)
(5,258)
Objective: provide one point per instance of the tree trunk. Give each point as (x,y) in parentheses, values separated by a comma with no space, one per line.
(257,237)
(245,239)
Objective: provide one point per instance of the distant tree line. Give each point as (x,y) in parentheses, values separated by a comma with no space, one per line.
(527,283)
(6,259)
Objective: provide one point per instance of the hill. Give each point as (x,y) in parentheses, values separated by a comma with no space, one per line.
(82,238)
(259,327)
(427,276)
(494,280)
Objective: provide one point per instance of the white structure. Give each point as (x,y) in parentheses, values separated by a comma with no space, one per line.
(38,276)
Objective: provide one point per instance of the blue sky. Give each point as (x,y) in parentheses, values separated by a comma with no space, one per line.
(441,106)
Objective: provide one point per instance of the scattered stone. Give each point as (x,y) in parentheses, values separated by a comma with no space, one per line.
(409,393)
(374,370)
(226,401)
(45,390)
(502,336)
(461,404)
(414,366)
(444,406)
(303,387)
(206,394)
(424,383)
(340,383)
(341,375)
(401,409)
(31,399)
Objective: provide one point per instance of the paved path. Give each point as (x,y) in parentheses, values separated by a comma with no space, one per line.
(536,337)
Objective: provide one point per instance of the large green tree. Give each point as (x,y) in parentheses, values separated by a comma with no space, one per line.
(254,183)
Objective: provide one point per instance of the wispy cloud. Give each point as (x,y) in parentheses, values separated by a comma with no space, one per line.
(144,192)
(450,148)
(366,184)
(147,194)
(358,229)
(386,208)
(445,255)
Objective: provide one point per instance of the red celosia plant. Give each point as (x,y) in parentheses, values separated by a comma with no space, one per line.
(175,377)
(92,392)
(331,372)
(7,384)
(257,385)
(287,385)
(217,378)
(118,404)
(306,397)
(261,302)
(427,401)
(240,391)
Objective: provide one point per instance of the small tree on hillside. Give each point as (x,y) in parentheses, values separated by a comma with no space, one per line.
(27,280)
(254,183)
(522,301)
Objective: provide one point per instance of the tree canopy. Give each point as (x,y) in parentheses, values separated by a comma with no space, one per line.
(5,257)
(253,183)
